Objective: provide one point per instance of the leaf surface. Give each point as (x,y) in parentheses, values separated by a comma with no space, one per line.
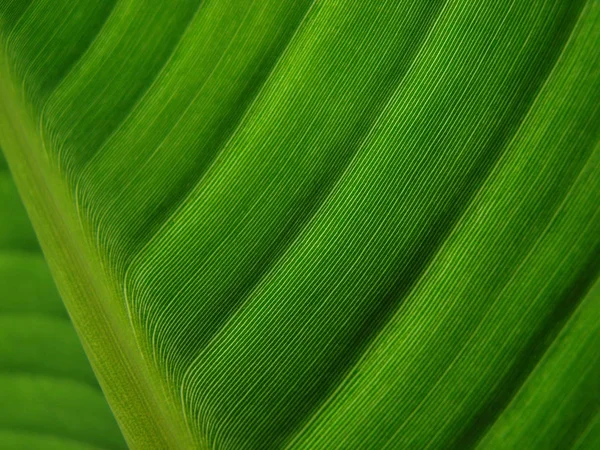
(328,224)
(50,396)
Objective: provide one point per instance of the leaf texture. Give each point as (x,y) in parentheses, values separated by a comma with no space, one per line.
(50,397)
(319,224)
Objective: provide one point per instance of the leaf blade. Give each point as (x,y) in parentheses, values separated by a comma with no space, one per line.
(256,271)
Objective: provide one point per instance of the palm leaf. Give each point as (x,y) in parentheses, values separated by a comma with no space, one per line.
(319,224)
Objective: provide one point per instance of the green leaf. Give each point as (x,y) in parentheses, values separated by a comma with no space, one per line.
(328,224)
(50,397)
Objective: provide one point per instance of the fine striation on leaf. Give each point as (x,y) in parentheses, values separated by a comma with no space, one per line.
(319,224)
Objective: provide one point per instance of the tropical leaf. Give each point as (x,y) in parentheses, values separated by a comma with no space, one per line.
(328,224)
(50,397)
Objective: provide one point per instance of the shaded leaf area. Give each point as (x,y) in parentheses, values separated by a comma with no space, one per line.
(50,397)
(332,224)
